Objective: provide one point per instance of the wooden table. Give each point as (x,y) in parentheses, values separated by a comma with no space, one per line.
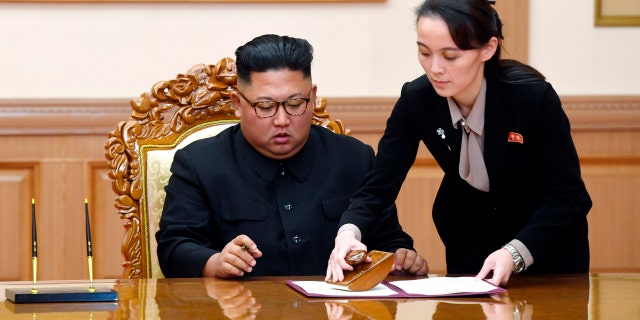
(594,296)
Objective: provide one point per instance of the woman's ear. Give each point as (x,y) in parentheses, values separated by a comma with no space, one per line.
(490,48)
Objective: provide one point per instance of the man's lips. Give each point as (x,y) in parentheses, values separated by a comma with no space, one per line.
(281,138)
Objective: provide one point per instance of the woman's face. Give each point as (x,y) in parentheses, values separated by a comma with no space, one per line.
(453,72)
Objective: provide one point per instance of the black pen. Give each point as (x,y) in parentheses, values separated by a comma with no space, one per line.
(34,246)
(89,251)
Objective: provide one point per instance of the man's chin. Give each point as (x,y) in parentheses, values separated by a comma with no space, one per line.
(281,152)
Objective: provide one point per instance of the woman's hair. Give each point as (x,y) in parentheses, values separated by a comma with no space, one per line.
(472,23)
(273,52)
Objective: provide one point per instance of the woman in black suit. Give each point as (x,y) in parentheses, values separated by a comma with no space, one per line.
(512,197)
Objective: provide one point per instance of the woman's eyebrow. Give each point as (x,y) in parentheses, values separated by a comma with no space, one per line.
(442,49)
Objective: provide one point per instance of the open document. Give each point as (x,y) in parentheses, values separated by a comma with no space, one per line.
(427,288)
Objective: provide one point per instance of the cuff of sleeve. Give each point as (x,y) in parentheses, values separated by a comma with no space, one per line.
(351,227)
(524,252)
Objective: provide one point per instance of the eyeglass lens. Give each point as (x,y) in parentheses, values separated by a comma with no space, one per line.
(267,109)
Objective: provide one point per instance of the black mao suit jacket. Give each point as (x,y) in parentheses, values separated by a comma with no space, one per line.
(537,194)
(221,187)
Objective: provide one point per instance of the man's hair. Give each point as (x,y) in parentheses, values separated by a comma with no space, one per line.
(271,52)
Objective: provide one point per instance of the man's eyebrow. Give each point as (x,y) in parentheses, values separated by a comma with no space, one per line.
(270,99)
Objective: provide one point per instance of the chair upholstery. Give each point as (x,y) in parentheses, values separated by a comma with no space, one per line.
(140,150)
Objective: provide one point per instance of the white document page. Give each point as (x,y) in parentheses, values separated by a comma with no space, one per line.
(327,289)
(444,285)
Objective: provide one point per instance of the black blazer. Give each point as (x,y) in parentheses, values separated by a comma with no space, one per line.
(221,187)
(537,194)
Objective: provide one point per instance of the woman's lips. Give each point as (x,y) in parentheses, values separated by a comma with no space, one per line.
(439,84)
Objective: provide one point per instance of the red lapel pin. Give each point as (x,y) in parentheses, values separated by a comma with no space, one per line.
(515,137)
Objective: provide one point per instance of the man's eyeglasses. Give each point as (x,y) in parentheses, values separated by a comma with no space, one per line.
(268,109)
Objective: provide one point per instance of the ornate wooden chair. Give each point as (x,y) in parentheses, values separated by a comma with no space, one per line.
(139,151)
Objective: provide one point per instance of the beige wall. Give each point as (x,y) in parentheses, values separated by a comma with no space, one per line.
(111,50)
(578,58)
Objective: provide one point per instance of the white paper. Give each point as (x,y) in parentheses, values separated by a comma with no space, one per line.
(444,285)
(327,289)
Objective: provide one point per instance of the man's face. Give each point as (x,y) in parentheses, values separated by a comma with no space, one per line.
(283,135)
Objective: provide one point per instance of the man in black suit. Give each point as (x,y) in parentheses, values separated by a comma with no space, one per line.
(271,202)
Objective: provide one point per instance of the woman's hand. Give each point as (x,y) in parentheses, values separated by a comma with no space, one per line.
(345,242)
(501,263)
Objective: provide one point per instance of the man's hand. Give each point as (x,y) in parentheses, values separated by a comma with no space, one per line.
(236,301)
(236,258)
(501,263)
(345,242)
(406,260)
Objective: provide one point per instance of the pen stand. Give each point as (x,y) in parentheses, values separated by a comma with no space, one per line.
(367,275)
(45,295)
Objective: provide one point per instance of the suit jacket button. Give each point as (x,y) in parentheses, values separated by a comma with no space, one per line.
(297,239)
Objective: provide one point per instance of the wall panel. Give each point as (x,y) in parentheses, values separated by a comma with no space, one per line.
(53,151)
(614,218)
(61,162)
(16,190)
(414,207)
(107,226)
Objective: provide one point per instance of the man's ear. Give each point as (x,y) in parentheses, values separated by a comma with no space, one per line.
(235,102)
(489,49)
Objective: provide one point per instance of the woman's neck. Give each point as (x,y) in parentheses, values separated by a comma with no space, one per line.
(466,100)
(464,109)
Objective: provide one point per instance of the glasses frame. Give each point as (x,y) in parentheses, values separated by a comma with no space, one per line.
(254,104)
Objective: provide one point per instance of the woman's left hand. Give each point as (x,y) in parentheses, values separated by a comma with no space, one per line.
(501,263)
